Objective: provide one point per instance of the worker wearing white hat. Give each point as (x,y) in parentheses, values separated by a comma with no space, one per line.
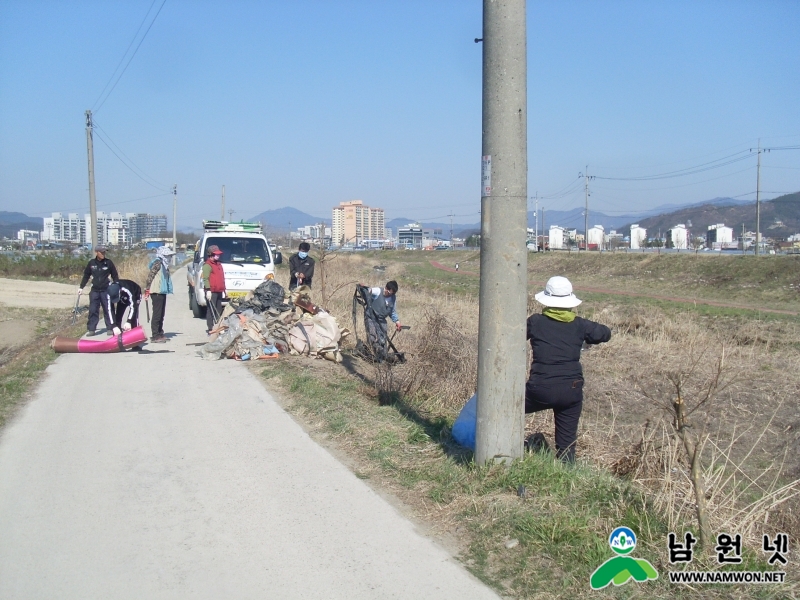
(556,379)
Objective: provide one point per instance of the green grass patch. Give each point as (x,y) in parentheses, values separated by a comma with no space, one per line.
(20,374)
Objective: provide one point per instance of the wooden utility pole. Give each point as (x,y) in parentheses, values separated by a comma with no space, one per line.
(92,198)
(504,256)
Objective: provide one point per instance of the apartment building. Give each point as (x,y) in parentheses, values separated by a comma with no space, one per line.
(354,222)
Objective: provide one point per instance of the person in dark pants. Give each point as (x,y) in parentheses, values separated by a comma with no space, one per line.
(125,297)
(213,285)
(99,269)
(158,285)
(301,267)
(556,380)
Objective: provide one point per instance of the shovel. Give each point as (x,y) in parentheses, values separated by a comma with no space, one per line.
(213,311)
(75,310)
(147,308)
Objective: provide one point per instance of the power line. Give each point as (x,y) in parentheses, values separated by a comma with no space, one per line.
(132,55)
(128,157)
(126,164)
(670,187)
(124,54)
(714,164)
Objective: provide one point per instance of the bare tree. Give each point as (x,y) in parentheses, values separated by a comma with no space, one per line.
(686,392)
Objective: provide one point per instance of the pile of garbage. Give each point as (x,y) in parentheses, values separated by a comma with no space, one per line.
(266,324)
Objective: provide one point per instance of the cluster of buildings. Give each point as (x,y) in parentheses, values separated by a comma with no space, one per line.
(114,229)
(717,237)
(356,225)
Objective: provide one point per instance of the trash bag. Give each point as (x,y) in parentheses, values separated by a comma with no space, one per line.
(213,350)
(464,428)
(269,294)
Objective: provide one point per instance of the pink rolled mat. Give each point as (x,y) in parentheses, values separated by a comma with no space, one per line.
(126,340)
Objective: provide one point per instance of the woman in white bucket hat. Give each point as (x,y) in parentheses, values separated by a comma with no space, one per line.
(556,379)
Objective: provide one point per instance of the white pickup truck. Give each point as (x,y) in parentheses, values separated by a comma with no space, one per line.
(247,260)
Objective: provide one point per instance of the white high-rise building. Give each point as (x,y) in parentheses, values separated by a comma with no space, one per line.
(638,236)
(719,236)
(353,222)
(677,237)
(596,237)
(556,237)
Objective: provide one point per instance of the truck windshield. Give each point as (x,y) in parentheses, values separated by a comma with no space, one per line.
(241,250)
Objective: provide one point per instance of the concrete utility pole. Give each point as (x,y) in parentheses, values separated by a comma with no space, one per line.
(586,209)
(175,223)
(222,218)
(543,245)
(758,199)
(504,199)
(92,198)
(451,231)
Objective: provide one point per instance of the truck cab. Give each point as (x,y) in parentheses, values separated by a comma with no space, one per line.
(247,260)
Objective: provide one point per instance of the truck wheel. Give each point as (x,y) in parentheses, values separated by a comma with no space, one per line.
(198,311)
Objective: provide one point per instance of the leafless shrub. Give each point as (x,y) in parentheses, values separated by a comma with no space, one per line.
(444,368)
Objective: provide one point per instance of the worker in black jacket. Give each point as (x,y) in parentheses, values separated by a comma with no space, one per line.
(99,269)
(125,297)
(556,380)
(301,267)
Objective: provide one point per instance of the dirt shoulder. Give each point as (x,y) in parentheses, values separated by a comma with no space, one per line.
(37,294)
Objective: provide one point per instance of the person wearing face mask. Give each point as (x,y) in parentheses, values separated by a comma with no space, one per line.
(213,285)
(301,267)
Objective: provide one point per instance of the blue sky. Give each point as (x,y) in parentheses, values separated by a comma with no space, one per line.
(308,103)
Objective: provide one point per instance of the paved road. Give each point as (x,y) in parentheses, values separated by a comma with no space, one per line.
(158,475)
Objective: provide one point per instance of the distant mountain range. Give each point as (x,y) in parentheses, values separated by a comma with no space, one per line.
(287,218)
(12,222)
(779,217)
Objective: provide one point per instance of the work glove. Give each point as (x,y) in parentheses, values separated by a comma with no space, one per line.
(126,326)
(80,291)
(224,294)
(116,331)
(208,295)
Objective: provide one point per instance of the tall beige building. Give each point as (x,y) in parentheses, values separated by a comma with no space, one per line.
(354,222)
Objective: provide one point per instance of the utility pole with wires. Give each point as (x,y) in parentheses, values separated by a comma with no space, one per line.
(230,214)
(222,218)
(451,231)
(758,198)
(543,244)
(586,179)
(502,348)
(175,223)
(536,221)
(92,197)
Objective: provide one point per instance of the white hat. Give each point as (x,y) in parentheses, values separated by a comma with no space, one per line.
(558,294)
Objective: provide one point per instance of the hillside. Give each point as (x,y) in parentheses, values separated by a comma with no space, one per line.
(281,218)
(11,222)
(784,209)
